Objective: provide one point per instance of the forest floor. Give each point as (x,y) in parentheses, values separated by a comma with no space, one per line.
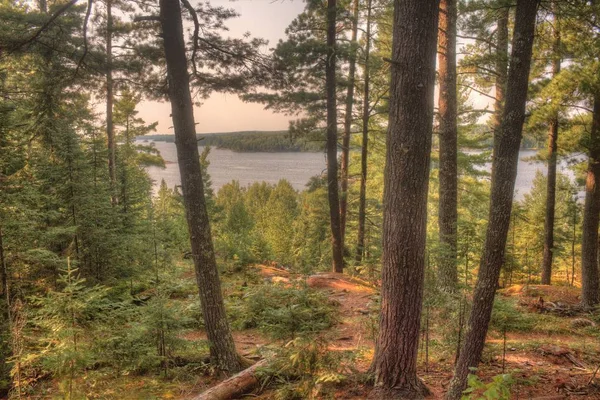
(550,350)
(554,356)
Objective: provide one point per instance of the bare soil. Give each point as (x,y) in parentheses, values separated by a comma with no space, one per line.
(545,366)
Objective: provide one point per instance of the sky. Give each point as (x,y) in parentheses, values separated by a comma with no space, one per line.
(225,112)
(267,19)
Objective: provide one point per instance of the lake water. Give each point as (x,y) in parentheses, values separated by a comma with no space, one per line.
(225,166)
(297,168)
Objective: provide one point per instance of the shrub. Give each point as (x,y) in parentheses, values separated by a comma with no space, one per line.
(284,311)
(497,389)
(304,369)
(506,315)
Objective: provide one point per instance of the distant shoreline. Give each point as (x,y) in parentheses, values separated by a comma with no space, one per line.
(252,141)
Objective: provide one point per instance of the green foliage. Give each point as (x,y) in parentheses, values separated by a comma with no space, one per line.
(170,234)
(5,350)
(281,211)
(506,315)
(526,235)
(312,249)
(284,312)
(303,369)
(497,389)
(64,317)
(269,142)
(234,225)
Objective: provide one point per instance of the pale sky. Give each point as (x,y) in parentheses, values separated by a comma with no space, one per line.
(267,19)
(225,112)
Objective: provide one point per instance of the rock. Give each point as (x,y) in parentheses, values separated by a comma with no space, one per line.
(582,323)
(279,279)
(554,350)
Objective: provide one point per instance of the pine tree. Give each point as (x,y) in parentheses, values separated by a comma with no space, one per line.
(507,142)
(362,199)
(448,173)
(405,199)
(222,347)
(337,242)
(348,119)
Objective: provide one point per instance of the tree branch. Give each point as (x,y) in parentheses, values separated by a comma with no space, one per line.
(142,18)
(44,27)
(194,15)
(85,38)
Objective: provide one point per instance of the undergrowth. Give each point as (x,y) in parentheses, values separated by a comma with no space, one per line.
(305,369)
(283,312)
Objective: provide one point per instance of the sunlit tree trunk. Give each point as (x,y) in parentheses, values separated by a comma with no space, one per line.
(4,275)
(406,182)
(345,159)
(110,129)
(222,347)
(501,64)
(590,283)
(507,142)
(551,184)
(366,113)
(448,187)
(332,166)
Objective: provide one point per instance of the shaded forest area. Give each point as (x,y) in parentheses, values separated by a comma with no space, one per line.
(405,271)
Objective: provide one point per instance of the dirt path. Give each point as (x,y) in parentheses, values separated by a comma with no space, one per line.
(545,366)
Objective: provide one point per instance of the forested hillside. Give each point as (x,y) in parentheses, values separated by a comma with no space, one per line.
(403,271)
(270,142)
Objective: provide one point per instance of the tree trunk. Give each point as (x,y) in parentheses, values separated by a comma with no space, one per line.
(332,166)
(501,64)
(551,184)
(448,203)
(345,161)
(362,201)
(222,347)
(4,274)
(590,283)
(405,198)
(507,142)
(110,129)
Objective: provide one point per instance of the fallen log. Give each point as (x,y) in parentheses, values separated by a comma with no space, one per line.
(550,398)
(235,386)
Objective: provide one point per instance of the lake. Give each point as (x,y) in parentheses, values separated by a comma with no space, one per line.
(297,168)
(225,166)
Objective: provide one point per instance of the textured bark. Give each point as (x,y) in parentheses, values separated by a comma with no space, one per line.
(222,347)
(551,184)
(405,198)
(6,318)
(345,159)
(504,172)
(332,166)
(447,105)
(501,64)
(3,271)
(362,199)
(590,283)
(110,128)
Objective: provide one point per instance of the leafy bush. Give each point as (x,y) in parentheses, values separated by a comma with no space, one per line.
(506,315)
(304,369)
(497,389)
(284,311)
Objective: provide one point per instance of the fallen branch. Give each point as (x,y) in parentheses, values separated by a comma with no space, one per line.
(575,361)
(235,386)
